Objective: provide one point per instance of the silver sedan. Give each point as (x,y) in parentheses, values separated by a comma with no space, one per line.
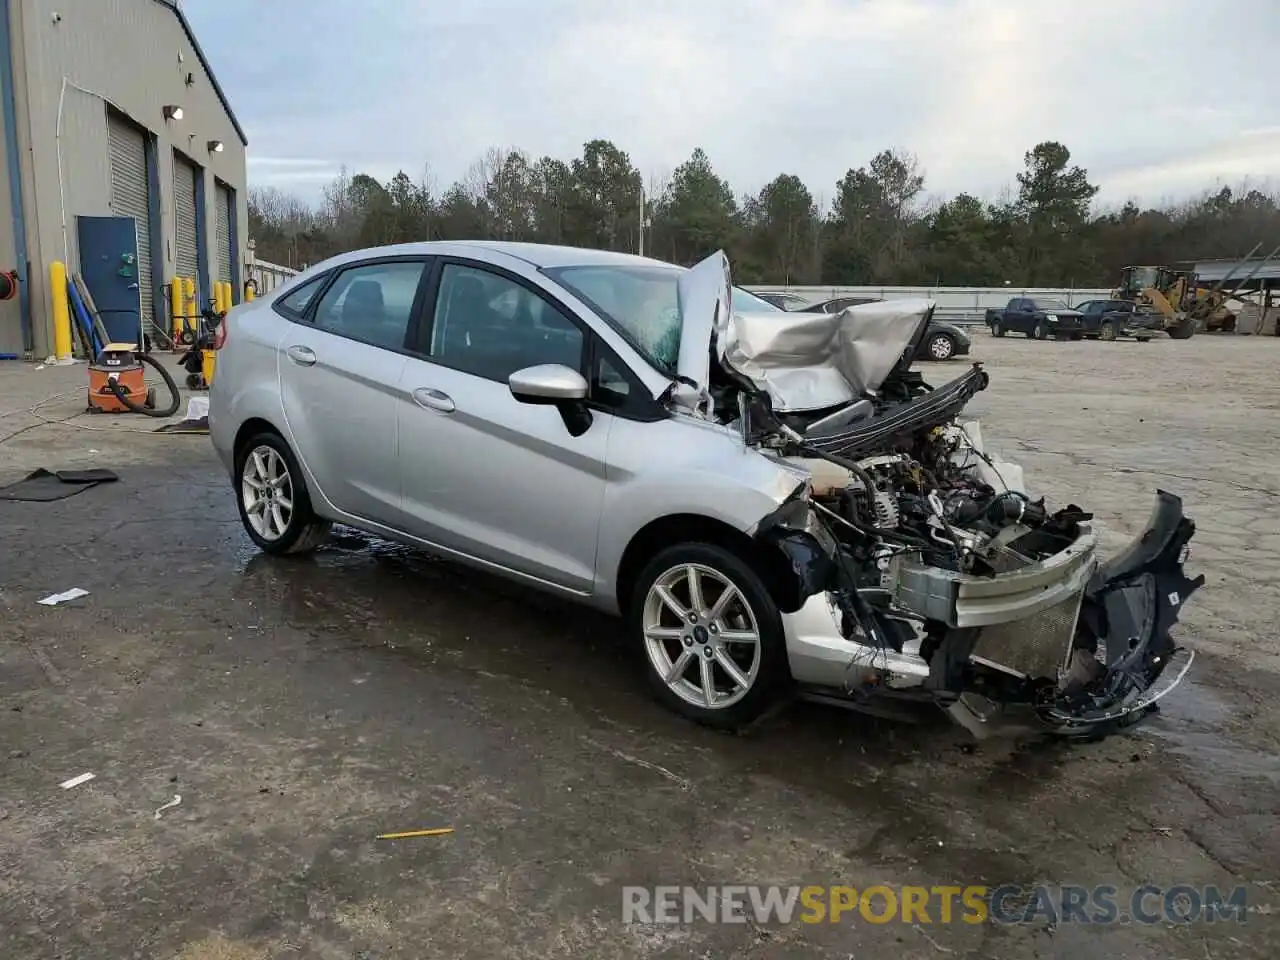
(652,441)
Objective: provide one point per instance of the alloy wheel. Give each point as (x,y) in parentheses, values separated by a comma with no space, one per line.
(941,348)
(701,636)
(266,488)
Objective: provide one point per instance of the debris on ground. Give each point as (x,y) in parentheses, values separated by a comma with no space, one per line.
(56,598)
(408,834)
(177,799)
(76,781)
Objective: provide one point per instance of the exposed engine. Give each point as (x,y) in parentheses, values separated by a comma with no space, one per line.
(955,584)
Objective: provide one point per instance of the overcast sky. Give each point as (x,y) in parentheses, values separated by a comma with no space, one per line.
(1157,98)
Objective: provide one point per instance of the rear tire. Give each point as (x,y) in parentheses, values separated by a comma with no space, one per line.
(725,667)
(272,497)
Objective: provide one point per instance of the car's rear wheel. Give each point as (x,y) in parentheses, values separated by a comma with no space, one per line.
(1107,331)
(275,507)
(712,636)
(941,347)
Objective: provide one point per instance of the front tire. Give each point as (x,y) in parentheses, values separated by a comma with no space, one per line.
(941,347)
(1041,332)
(271,494)
(711,636)
(1108,331)
(997,329)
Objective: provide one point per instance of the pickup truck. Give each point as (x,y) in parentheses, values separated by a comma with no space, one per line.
(1109,319)
(1038,318)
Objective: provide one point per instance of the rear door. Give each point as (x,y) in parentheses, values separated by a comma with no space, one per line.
(482,474)
(341,361)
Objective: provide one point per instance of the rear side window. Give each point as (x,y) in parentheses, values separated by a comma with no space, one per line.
(296,303)
(372,303)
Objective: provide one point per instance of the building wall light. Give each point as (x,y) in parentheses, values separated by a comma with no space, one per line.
(172,112)
(215,146)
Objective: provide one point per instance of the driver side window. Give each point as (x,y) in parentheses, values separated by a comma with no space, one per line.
(489,325)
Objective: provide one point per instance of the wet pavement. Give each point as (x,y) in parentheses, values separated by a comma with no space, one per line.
(302,706)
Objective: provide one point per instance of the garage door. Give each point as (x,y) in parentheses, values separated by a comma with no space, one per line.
(187,253)
(129,198)
(222,227)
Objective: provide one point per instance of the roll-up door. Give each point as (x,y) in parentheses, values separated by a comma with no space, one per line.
(187,253)
(222,227)
(130,198)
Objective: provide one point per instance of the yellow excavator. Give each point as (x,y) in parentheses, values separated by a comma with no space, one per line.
(1185,305)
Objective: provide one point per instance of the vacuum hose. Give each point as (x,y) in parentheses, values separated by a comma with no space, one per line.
(142,408)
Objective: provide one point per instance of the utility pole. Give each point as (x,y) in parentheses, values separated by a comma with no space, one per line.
(641,251)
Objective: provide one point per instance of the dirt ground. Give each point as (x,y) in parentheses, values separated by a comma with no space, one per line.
(299,708)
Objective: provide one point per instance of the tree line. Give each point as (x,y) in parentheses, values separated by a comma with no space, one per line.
(880,228)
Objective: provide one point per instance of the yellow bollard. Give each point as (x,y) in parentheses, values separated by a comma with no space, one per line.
(250,293)
(178,308)
(226,296)
(192,322)
(61,312)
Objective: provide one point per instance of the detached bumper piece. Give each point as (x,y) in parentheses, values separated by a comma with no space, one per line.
(1124,658)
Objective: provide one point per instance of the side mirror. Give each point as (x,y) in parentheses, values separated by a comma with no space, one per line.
(548,383)
(553,384)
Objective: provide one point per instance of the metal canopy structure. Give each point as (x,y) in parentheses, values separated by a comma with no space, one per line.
(1260,274)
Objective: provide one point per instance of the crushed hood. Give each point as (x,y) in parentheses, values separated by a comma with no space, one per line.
(706,304)
(810,361)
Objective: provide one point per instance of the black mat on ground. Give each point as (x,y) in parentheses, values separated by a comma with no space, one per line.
(44,486)
(185,426)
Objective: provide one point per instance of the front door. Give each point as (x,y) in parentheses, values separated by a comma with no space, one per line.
(341,363)
(109,268)
(482,474)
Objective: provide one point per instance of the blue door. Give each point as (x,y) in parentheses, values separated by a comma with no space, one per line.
(109,268)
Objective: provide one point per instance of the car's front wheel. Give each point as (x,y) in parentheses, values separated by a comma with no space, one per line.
(1107,331)
(712,636)
(941,347)
(1041,331)
(997,328)
(271,493)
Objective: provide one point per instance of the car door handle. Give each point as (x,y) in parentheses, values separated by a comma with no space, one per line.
(303,356)
(434,400)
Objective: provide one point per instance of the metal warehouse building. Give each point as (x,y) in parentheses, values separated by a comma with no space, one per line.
(121,158)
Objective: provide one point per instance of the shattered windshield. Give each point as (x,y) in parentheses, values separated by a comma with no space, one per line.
(642,303)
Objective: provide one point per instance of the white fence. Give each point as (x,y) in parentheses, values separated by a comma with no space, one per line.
(267,275)
(957,304)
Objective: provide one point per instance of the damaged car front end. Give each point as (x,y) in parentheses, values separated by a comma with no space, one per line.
(915,566)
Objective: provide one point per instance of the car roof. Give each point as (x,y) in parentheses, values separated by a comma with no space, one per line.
(538,254)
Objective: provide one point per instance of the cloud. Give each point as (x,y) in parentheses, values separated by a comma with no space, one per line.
(811,87)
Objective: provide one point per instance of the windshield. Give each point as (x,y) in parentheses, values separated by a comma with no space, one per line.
(643,304)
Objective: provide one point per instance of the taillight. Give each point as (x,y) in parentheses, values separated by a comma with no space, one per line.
(220,335)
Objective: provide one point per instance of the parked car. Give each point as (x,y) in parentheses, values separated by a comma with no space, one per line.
(942,342)
(1109,319)
(784,301)
(1038,318)
(775,504)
